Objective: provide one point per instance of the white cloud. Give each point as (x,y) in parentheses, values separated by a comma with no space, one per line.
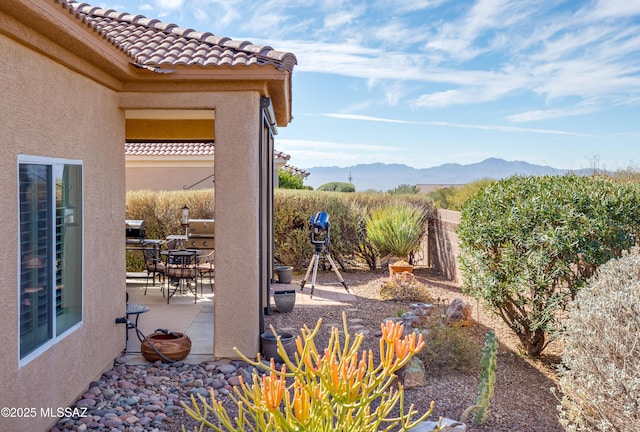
(556,113)
(486,127)
(309,153)
(365,118)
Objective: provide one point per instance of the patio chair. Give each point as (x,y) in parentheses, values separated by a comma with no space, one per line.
(181,272)
(154,266)
(205,267)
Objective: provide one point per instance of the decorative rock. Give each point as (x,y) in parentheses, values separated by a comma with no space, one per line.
(448,425)
(459,313)
(152,407)
(84,403)
(245,374)
(423,314)
(227,368)
(198,391)
(113,423)
(216,384)
(234,380)
(126,385)
(413,374)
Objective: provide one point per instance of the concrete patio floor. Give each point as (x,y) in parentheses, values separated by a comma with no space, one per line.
(196,319)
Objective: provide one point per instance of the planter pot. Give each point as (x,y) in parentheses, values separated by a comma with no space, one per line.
(269,345)
(285,274)
(174,346)
(285,300)
(399,268)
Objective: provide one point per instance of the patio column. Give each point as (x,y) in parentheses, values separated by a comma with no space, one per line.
(237,205)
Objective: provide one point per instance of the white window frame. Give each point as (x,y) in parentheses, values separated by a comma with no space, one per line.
(53,340)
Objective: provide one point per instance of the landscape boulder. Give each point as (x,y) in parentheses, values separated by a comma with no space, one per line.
(459,313)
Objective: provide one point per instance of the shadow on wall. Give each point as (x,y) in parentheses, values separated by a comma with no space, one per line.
(443,244)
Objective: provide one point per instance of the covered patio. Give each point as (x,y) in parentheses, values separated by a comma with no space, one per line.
(195,319)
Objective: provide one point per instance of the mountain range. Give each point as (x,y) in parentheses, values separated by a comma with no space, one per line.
(384,177)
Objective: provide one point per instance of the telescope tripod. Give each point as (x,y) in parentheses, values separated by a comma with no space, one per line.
(313,265)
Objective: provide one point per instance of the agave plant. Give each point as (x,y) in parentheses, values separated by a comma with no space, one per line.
(396,229)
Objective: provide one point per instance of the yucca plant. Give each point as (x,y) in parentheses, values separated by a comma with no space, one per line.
(396,229)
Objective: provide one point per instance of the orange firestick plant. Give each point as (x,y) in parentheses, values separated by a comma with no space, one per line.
(333,391)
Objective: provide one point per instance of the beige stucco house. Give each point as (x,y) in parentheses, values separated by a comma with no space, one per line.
(76,83)
(186,165)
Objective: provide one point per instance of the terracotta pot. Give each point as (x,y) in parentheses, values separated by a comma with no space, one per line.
(174,346)
(399,268)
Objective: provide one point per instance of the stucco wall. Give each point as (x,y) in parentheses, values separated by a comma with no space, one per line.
(237,307)
(443,244)
(170,177)
(50,111)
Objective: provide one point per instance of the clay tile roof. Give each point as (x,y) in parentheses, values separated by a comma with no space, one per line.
(178,149)
(281,155)
(169,149)
(150,42)
(295,170)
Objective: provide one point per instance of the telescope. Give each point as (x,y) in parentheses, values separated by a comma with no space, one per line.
(319,234)
(319,229)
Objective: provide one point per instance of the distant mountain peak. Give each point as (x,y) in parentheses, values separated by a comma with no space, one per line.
(383,177)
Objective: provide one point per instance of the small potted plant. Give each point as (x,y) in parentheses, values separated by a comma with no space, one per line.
(396,231)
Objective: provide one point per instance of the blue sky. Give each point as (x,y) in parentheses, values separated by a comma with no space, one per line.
(427,82)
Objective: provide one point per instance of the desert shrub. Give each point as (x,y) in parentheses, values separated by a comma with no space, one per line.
(599,375)
(528,244)
(396,229)
(405,189)
(405,287)
(292,211)
(449,348)
(347,213)
(453,198)
(162,210)
(337,187)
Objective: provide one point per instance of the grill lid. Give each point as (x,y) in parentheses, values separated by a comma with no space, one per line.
(135,228)
(201,228)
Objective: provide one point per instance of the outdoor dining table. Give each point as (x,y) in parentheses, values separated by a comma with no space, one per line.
(181,265)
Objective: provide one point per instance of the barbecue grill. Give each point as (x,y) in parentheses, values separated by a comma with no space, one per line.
(135,229)
(201,234)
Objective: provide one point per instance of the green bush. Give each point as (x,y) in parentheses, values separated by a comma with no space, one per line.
(347,214)
(288,180)
(396,229)
(599,374)
(161,212)
(454,197)
(405,189)
(292,211)
(337,187)
(528,244)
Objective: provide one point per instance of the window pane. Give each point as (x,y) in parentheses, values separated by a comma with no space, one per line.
(35,251)
(68,248)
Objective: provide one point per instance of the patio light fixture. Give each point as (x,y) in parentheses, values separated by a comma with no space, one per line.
(185,216)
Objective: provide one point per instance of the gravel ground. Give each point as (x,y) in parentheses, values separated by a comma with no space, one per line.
(523,401)
(147,398)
